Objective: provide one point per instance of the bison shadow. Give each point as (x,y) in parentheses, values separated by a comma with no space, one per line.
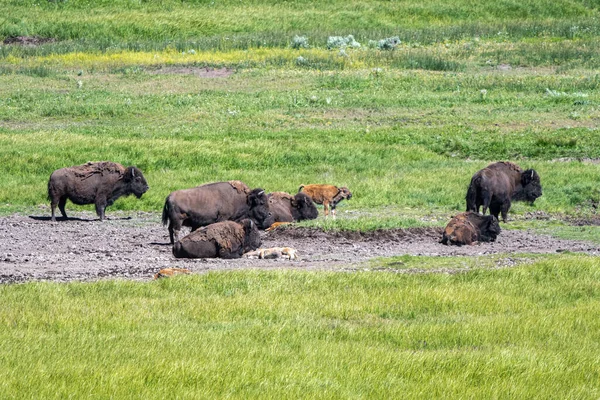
(61,219)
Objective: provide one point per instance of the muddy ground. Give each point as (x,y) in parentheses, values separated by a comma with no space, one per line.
(136,246)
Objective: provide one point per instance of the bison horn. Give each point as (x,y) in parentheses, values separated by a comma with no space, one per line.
(531,174)
(260,193)
(132,173)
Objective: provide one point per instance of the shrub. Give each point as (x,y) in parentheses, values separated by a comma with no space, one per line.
(334,42)
(385,44)
(300,42)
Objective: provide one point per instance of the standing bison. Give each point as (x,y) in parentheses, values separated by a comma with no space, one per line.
(470,227)
(99,183)
(496,185)
(288,208)
(227,239)
(215,202)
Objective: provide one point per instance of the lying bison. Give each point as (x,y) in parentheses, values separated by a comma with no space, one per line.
(227,239)
(326,195)
(495,186)
(215,202)
(287,208)
(99,183)
(470,227)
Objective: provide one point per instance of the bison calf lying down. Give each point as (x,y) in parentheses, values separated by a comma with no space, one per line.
(495,186)
(287,208)
(275,252)
(227,239)
(99,183)
(326,195)
(470,227)
(166,272)
(215,202)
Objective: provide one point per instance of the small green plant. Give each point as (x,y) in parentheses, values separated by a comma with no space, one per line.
(341,42)
(385,44)
(300,42)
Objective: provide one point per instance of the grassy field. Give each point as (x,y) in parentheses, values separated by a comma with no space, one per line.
(404,129)
(526,332)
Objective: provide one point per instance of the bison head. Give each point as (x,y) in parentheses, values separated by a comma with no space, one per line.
(303,207)
(490,230)
(258,205)
(251,235)
(135,181)
(345,193)
(531,187)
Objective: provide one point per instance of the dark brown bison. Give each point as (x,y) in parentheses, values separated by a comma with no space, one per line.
(495,186)
(99,183)
(288,208)
(326,195)
(215,202)
(471,227)
(227,239)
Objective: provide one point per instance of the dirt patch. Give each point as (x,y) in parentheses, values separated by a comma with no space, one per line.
(201,72)
(28,40)
(136,247)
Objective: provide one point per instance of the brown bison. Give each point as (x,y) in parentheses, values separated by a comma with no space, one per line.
(288,208)
(99,183)
(227,239)
(495,186)
(215,202)
(326,195)
(470,227)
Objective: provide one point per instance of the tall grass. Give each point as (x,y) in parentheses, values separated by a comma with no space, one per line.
(524,332)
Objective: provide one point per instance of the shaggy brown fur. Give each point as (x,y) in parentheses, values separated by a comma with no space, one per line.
(497,185)
(287,208)
(470,228)
(100,183)
(326,195)
(215,202)
(166,272)
(227,239)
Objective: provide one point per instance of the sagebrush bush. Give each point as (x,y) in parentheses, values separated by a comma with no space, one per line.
(300,42)
(336,42)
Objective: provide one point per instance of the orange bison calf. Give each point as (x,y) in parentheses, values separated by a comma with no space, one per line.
(326,195)
(469,228)
(227,239)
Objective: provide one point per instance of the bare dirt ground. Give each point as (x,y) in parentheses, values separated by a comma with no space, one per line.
(136,246)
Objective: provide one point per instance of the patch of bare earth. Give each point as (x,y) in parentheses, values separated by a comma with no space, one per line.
(201,72)
(28,40)
(136,247)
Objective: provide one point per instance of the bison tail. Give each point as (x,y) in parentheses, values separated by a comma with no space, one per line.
(165,213)
(472,197)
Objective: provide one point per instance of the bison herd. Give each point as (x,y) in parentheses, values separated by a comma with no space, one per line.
(225,217)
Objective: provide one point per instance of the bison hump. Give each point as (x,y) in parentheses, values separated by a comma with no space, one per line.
(505,165)
(277,196)
(240,186)
(91,168)
(223,233)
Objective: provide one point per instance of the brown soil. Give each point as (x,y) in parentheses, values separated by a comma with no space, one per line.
(28,40)
(136,247)
(201,72)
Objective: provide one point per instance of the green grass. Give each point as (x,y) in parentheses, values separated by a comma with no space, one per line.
(525,332)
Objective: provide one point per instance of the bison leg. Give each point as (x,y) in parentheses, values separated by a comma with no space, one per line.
(100,207)
(326,208)
(61,206)
(230,253)
(174,228)
(504,211)
(487,199)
